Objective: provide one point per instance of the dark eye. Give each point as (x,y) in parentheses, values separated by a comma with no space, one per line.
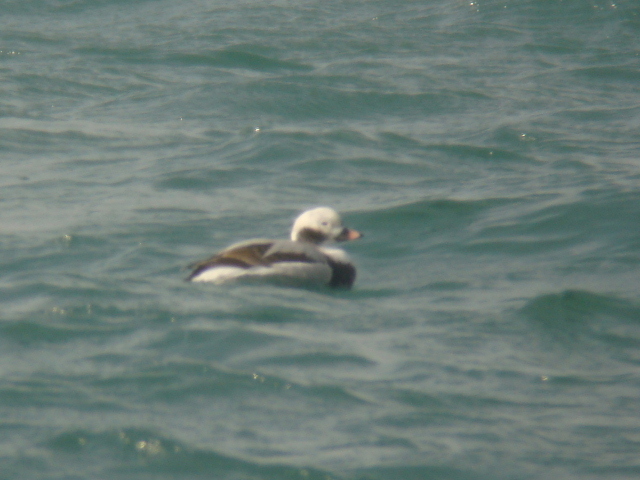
(324,224)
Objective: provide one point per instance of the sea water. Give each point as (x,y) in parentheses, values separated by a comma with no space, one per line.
(489,151)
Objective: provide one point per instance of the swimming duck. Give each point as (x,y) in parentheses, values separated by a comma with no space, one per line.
(303,260)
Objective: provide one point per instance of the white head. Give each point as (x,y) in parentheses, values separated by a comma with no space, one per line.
(320,225)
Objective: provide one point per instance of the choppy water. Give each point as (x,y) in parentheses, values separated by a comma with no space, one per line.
(490,152)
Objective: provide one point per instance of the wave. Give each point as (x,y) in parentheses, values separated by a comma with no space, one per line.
(145,453)
(589,321)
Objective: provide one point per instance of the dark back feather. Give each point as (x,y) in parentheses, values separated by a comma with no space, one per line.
(243,257)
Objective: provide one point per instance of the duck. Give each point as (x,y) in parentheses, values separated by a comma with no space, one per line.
(304,260)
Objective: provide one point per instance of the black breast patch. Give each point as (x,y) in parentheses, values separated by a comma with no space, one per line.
(343,274)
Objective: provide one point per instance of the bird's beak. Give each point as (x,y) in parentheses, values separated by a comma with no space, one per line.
(348,234)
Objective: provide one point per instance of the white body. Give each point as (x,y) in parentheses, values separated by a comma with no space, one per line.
(289,272)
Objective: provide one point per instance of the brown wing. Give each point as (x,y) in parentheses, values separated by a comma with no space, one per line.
(244,256)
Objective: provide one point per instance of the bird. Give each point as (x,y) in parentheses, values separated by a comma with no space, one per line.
(304,260)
